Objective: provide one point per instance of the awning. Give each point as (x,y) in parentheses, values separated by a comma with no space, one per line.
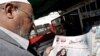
(44,7)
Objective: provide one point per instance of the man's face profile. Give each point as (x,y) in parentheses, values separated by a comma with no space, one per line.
(25,18)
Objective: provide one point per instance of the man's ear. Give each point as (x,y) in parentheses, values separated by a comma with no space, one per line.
(9,9)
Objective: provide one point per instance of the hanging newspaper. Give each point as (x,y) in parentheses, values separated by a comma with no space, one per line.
(70,46)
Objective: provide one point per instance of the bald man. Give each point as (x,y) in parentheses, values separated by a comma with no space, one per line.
(15,23)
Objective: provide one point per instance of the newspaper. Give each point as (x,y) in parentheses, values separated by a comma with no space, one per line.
(70,46)
(96,40)
(82,45)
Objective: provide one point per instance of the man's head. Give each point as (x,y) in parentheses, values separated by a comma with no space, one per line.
(16,16)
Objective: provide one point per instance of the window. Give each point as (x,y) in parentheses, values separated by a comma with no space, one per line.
(92,6)
(83,9)
(98,3)
(88,7)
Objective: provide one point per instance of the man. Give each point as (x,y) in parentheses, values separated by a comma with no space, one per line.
(15,23)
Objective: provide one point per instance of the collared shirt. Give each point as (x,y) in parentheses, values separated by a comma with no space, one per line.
(23,42)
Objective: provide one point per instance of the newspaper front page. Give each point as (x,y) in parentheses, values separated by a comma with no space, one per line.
(70,46)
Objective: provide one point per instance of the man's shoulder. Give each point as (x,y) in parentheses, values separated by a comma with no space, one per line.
(8,49)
